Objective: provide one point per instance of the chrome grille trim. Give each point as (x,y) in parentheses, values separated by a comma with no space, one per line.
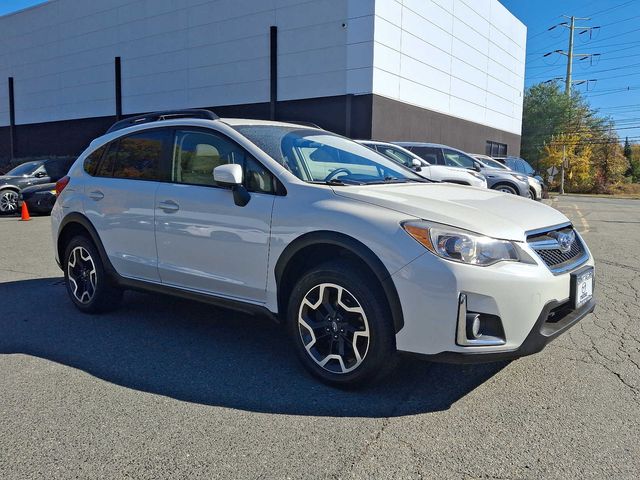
(548,249)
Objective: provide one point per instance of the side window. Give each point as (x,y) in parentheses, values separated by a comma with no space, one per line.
(139,156)
(432,155)
(92,161)
(105,169)
(196,154)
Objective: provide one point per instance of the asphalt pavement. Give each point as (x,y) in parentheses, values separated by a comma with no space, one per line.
(166,388)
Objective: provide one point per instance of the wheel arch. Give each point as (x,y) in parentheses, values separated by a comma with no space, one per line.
(507,183)
(303,253)
(77,224)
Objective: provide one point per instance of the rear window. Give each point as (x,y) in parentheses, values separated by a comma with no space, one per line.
(92,161)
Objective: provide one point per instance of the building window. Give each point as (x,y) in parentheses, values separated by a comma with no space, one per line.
(495,149)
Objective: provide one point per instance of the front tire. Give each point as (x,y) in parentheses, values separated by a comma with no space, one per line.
(88,285)
(506,189)
(8,201)
(340,325)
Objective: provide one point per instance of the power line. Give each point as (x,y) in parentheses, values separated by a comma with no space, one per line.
(620,21)
(614,36)
(607,10)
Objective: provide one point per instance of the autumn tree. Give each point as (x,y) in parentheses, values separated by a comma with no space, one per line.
(576,150)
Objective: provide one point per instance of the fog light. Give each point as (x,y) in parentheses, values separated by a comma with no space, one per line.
(477,329)
(473,321)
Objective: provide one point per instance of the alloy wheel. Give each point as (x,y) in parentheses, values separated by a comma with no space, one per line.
(334,328)
(8,201)
(81,271)
(506,189)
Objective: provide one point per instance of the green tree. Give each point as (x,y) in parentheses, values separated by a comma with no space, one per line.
(549,112)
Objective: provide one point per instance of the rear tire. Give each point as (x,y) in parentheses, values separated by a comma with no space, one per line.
(341,325)
(89,287)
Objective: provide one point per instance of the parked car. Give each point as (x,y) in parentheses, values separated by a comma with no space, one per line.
(39,198)
(536,187)
(27,174)
(359,256)
(503,181)
(438,173)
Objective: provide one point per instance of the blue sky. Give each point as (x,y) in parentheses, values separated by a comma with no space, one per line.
(617,42)
(8,6)
(617,69)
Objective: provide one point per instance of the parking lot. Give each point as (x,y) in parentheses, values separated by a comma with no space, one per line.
(175,389)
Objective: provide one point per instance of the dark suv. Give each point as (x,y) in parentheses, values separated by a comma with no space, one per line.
(28,174)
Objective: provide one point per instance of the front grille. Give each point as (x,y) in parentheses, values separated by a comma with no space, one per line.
(546,245)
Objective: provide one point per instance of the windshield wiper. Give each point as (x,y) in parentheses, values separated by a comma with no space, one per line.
(343,183)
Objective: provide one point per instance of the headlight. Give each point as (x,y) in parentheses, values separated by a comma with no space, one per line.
(479,176)
(522,178)
(462,246)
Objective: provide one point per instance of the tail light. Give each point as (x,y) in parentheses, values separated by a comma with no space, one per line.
(60,184)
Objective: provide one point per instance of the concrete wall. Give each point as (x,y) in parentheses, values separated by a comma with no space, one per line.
(178,54)
(464,58)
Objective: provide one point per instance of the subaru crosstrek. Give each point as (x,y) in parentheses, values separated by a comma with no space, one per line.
(357,255)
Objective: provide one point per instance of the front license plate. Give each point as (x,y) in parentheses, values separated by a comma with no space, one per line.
(582,286)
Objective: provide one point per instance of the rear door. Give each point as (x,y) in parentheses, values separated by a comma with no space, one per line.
(120,200)
(205,241)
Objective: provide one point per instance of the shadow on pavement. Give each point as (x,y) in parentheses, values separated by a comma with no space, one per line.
(197,353)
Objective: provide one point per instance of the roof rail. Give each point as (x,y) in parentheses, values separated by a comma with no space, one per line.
(302,123)
(164,115)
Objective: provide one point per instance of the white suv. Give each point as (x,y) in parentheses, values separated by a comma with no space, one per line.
(358,256)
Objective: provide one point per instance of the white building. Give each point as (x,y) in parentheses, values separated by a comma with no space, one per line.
(447,71)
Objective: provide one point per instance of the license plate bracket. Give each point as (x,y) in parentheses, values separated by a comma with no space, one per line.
(582,286)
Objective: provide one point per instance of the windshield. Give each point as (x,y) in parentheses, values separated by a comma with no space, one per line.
(24,169)
(491,163)
(457,159)
(400,155)
(322,157)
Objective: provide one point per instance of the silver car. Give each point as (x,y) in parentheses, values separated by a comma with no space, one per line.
(501,180)
(535,185)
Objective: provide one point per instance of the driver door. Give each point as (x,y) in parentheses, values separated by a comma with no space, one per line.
(205,241)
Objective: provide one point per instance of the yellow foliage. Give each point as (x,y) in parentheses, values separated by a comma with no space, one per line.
(577,152)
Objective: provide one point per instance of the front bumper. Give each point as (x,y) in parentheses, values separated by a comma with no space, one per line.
(520,295)
(544,330)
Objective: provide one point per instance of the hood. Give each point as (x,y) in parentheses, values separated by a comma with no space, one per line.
(500,172)
(479,210)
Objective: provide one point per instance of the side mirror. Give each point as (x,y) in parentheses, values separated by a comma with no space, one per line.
(230,175)
(476,166)
(40,174)
(416,164)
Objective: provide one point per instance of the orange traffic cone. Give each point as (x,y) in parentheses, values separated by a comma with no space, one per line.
(25,212)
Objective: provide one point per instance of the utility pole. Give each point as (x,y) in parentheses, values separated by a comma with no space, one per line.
(572,29)
(564,159)
(571,25)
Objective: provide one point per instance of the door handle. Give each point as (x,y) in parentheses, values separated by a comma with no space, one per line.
(96,195)
(169,206)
